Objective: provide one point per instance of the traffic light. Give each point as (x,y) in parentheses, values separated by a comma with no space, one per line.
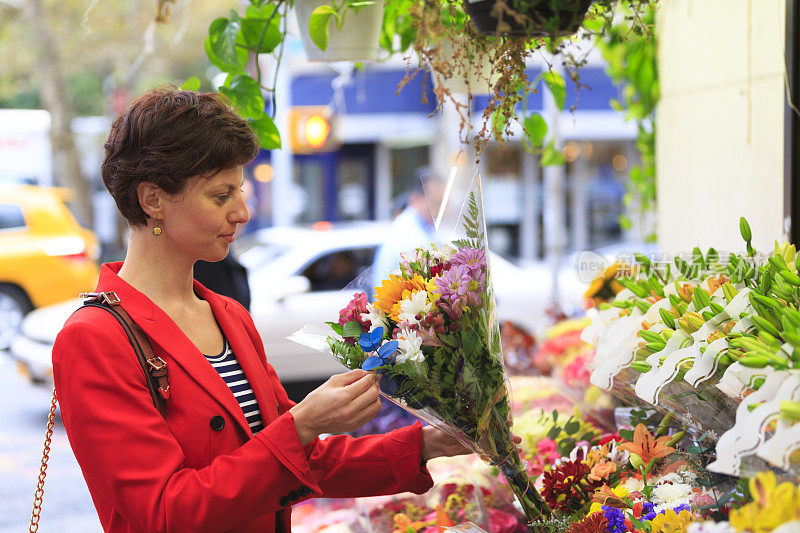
(311,129)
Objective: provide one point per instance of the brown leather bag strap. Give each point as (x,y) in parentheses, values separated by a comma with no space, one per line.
(154,367)
(155,372)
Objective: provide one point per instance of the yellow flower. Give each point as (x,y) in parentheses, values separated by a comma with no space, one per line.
(671,522)
(394,289)
(789,252)
(772,504)
(433,290)
(605,280)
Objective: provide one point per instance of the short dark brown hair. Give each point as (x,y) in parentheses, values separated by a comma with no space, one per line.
(167,136)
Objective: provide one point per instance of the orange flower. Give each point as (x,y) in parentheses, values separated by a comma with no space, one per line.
(645,446)
(715,282)
(442,519)
(605,496)
(685,292)
(403,524)
(393,290)
(602,470)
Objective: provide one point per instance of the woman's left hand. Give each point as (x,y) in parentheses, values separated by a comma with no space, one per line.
(436,443)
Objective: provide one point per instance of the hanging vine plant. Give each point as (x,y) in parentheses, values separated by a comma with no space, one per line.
(449,38)
(517,32)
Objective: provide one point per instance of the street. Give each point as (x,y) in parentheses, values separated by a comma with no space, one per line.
(67,505)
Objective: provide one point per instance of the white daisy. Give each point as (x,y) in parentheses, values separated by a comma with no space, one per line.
(672,494)
(634,485)
(409,346)
(416,304)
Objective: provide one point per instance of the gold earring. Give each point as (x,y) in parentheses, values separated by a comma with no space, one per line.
(157,228)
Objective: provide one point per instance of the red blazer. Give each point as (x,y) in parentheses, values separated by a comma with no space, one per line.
(184,473)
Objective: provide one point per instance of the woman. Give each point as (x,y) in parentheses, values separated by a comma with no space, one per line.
(232,452)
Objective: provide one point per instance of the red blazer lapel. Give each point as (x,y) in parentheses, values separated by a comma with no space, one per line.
(245,352)
(164,333)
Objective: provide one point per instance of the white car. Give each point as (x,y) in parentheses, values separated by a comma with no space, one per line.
(297,276)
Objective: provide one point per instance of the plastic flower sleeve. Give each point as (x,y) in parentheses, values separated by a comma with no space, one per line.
(433,334)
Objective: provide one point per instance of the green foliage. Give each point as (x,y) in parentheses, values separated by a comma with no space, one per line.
(398,21)
(534,130)
(322,15)
(473,225)
(191,84)
(350,355)
(230,43)
(632,61)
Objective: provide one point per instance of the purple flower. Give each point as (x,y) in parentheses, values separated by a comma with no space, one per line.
(615,519)
(472,258)
(453,284)
(682,507)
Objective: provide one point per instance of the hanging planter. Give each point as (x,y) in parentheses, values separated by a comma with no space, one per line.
(527,18)
(473,75)
(352,34)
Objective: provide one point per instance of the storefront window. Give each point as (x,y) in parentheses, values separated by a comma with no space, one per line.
(503,197)
(307,192)
(352,196)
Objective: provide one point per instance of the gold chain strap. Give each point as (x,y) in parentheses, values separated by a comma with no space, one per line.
(37,496)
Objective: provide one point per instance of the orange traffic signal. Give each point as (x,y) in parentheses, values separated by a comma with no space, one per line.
(311,129)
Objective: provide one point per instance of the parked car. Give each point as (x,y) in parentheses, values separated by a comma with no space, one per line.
(45,255)
(296,278)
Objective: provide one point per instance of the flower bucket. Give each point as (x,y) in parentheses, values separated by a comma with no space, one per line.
(358,40)
(541,18)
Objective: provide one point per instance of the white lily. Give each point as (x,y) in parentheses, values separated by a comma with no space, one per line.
(376,317)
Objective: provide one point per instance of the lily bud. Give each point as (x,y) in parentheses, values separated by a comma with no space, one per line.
(695,320)
(790,410)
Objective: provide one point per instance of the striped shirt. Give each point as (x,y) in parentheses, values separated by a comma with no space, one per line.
(231,372)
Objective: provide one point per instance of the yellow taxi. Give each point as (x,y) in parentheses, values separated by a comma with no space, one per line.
(45,255)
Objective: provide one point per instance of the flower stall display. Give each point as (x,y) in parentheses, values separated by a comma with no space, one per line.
(706,349)
(715,342)
(432,334)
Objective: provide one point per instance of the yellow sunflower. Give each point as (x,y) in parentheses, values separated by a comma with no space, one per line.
(604,287)
(394,289)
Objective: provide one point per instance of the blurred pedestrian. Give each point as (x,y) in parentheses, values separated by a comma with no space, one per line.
(413,226)
(231,451)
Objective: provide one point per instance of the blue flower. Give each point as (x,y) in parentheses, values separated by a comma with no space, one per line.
(615,519)
(383,356)
(372,363)
(647,510)
(682,507)
(369,342)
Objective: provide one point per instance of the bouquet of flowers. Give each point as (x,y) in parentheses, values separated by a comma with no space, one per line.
(433,335)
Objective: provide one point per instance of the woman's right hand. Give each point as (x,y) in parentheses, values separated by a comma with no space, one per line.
(343,403)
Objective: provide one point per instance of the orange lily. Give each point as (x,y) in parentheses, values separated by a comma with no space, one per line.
(442,520)
(646,446)
(602,470)
(403,524)
(715,282)
(605,496)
